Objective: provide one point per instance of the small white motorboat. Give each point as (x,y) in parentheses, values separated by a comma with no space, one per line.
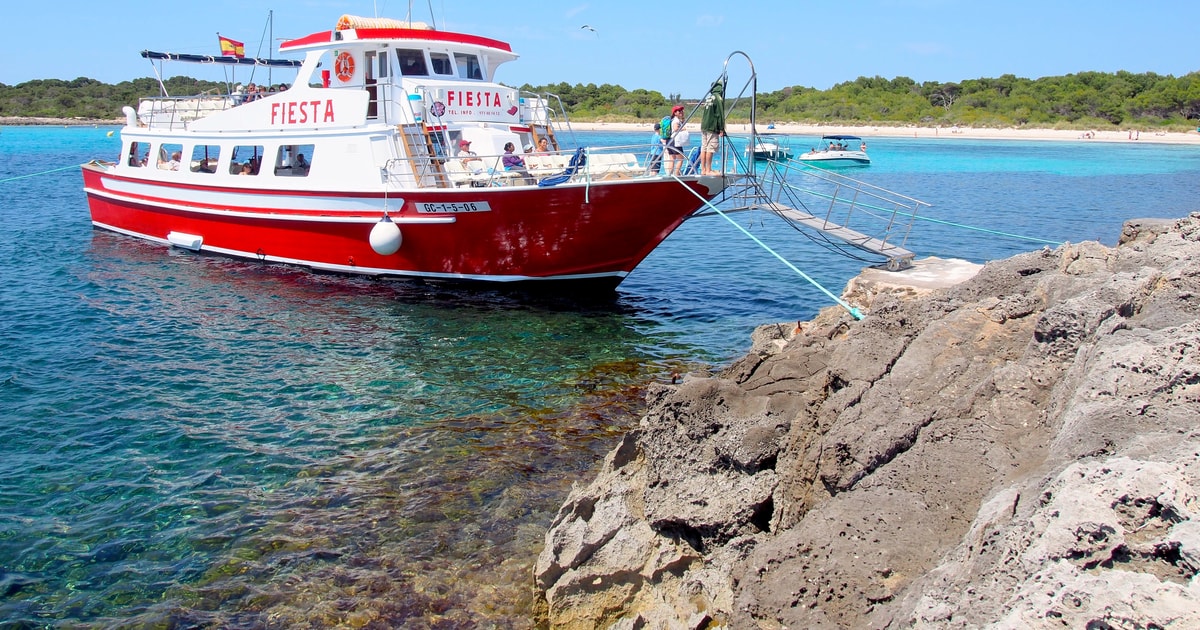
(769,148)
(838,150)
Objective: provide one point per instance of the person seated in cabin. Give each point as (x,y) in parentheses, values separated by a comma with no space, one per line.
(255,162)
(247,169)
(300,165)
(169,163)
(469,160)
(513,162)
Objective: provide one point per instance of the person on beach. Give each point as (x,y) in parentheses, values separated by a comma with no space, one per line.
(712,125)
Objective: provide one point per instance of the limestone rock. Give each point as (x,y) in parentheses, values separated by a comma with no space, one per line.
(1021,449)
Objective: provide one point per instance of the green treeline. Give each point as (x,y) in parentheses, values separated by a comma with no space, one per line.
(1084,100)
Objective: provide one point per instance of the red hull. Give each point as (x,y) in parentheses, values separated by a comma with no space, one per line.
(568,232)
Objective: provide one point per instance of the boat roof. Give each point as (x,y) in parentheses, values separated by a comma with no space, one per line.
(358,29)
(840,137)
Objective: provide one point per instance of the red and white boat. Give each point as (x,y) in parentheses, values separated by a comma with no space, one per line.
(353,170)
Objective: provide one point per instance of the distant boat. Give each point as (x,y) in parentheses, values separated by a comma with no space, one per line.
(769,149)
(838,150)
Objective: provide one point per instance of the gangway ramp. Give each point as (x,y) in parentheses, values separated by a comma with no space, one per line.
(832,205)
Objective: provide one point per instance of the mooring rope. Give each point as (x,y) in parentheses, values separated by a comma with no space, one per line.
(854,312)
(53,170)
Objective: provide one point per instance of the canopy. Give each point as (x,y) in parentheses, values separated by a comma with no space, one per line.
(245,61)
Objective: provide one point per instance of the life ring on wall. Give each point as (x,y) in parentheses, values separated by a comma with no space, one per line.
(343,67)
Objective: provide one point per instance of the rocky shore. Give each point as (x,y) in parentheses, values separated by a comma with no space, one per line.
(1020,450)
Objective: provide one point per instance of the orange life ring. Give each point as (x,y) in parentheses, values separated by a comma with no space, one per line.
(343,67)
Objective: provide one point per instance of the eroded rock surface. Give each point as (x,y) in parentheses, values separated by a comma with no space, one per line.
(1019,450)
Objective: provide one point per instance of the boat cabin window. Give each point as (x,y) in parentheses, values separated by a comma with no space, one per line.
(169,156)
(468,66)
(441,63)
(204,158)
(412,62)
(294,160)
(139,153)
(246,160)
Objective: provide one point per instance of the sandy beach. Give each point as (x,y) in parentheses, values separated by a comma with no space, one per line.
(815,131)
(950,133)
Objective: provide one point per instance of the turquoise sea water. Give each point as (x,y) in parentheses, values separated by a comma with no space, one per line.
(190,441)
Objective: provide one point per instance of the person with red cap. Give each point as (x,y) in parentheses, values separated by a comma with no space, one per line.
(676,141)
(466,156)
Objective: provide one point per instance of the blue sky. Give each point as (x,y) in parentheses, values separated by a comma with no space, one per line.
(673,47)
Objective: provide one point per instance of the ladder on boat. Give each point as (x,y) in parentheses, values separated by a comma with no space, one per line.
(828,203)
(418,146)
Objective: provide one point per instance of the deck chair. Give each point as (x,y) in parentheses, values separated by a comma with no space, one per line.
(578,161)
(692,165)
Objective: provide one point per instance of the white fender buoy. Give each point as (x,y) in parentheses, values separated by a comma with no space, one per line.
(385,237)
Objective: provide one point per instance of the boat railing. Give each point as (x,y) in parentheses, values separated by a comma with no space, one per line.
(547,109)
(602,164)
(175,112)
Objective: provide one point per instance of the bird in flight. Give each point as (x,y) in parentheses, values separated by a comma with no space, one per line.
(587,27)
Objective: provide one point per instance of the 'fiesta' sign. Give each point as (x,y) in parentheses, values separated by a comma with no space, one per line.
(302,112)
(479,104)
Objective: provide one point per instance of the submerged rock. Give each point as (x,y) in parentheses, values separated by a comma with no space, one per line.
(1021,449)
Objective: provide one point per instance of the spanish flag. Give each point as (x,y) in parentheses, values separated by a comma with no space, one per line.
(231,48)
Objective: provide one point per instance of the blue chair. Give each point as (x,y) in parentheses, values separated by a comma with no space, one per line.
(692,165)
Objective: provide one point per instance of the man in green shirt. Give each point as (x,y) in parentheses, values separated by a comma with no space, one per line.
(712,125)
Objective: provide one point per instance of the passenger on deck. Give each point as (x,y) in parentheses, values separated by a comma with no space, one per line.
(469,160)
(712,126)
(543,146)
(654,157)
(674,148)
(513,162)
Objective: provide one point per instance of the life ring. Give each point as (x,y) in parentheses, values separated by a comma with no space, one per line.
(343,67)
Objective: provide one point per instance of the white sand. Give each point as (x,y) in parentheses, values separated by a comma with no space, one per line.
(950,133)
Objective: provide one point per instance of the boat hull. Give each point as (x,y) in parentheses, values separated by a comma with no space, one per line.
(593,234)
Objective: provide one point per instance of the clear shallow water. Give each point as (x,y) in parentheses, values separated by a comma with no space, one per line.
(196,441)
